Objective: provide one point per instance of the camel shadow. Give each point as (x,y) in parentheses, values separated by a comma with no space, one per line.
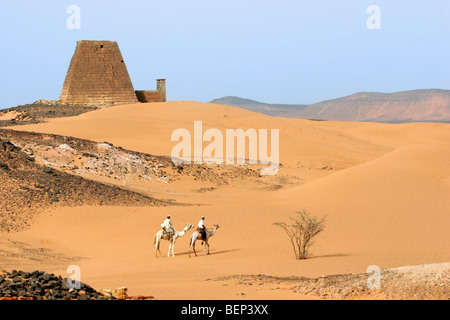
(223,251)
(201,253)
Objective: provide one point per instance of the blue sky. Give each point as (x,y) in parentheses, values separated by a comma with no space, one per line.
(284,51)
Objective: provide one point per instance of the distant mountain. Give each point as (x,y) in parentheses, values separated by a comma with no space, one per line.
(277,110)
(405,106)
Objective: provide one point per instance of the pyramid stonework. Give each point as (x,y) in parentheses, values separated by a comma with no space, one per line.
(97,74)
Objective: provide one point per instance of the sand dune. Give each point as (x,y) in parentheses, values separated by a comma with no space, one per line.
(395,205)
(383,188)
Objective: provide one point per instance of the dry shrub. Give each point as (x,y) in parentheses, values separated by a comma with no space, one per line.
(301,231)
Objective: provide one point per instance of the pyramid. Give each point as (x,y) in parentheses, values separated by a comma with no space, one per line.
(97,74)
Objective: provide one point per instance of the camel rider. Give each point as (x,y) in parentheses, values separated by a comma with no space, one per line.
(167,226)
(201,228)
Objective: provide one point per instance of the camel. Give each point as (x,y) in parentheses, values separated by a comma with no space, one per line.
(160,235)
(197,236)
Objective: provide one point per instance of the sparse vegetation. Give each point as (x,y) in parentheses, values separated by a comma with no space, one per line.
(301,231)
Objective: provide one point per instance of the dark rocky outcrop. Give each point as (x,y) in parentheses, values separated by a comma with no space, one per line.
(39,285)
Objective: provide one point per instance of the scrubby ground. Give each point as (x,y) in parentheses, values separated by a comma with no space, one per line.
(423,282)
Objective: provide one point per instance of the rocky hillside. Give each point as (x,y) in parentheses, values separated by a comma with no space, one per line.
(40,111)
(406,106)
(397,107)
(26,187)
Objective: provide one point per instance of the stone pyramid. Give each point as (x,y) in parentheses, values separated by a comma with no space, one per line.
(97,75)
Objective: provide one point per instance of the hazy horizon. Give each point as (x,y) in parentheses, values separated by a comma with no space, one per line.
(284,52)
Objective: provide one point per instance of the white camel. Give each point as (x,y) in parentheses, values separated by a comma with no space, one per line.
(198,236)
(160,235)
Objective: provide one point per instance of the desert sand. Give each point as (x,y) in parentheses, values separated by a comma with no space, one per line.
(384,189)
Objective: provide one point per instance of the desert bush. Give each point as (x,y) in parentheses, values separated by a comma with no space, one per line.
(301,231)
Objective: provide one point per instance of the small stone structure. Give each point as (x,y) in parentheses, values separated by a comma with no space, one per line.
(97,74)
(158,95)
